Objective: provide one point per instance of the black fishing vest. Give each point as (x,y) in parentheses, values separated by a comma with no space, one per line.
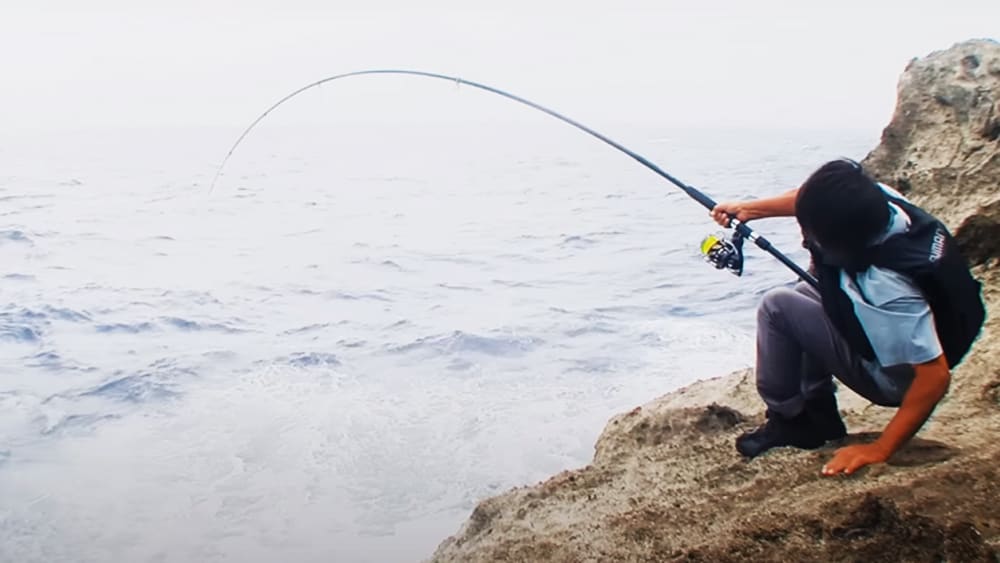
(928,255)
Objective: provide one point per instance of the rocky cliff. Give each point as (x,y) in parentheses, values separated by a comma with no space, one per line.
(665,483)
(943,144)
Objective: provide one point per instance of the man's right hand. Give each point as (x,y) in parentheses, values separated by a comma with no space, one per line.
(779,206)
(723,211)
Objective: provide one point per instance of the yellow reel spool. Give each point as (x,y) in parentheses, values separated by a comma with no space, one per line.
(709,243)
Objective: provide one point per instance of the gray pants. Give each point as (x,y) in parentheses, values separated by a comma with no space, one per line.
(799,351)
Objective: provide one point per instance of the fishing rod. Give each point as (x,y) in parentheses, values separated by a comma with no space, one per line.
(722,253)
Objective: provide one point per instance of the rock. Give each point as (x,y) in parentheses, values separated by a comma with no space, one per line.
(666,484)
(942,147)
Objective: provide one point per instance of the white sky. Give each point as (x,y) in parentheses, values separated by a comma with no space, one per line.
(775,63)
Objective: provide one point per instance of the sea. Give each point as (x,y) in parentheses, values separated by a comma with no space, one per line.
(366,327)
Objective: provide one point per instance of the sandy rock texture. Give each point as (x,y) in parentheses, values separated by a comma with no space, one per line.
(666,484)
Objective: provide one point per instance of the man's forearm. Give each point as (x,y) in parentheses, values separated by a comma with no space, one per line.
(778,206)
(930,383)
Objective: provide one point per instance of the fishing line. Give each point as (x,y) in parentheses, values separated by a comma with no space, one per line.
(728,255)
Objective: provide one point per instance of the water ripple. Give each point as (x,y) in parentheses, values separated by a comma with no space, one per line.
(458,287)
(594,365)
(76,423)
(577,241)
(136,388)
(194,326)
(20,324)
(307,328)
(15,236)
(65,314)
(129,328)
(18,333)
(459,341)
(348,296)
(184,325)
(52,361)
(596,328)
(310,359)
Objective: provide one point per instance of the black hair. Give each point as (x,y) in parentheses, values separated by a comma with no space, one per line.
(841,208)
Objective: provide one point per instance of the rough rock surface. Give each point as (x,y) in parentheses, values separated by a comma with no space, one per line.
(665,483)
(943,144)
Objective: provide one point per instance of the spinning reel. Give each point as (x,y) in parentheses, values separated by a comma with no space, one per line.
(724,253)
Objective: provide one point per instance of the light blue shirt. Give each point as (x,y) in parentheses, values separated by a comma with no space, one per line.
(894,314)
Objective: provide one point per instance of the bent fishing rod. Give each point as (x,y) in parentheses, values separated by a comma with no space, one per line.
(722,253)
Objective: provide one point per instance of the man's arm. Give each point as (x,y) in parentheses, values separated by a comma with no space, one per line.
(778,206)
(930,383)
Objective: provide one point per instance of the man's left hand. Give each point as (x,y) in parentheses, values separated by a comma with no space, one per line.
(849,459)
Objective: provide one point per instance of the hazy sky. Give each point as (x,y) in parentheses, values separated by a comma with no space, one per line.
(199,62)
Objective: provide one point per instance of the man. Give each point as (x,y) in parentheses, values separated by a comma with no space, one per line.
(896,308)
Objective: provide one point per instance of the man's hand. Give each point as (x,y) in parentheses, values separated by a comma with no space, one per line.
(779,206)
(723,211)
(930,383)
(849,459)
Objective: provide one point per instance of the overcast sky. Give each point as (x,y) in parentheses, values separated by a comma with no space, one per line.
(779,63)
